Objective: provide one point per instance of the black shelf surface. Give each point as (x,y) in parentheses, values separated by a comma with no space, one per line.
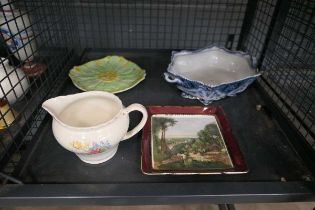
(55,175)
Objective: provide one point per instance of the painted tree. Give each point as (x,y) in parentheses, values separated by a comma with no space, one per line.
(210,135)
(162,124)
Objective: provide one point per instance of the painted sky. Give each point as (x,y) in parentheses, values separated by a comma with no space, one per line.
(188,126)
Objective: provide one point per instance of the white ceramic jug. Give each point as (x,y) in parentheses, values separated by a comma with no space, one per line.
(13,82)
(91,124)
(15,29)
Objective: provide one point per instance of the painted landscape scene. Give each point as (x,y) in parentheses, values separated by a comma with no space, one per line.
(187,142)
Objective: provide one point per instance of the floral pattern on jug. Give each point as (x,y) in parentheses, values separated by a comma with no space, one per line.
(93,135)
(91,148)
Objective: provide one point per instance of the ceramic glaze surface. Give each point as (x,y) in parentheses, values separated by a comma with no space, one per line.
(9,115)
(212,73)
(112,74)
(212,67)
(92,124)
(12,79)
(89,112)
(18,33)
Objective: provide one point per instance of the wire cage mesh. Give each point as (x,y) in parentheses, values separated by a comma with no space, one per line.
(286,52)
(160,24)
(280,34)
(36,45)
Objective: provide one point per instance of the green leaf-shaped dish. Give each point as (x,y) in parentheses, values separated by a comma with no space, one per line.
(112,74)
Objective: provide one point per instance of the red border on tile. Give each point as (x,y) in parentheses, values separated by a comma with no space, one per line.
(239,165)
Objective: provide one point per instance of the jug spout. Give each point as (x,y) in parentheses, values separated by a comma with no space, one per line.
(55,106)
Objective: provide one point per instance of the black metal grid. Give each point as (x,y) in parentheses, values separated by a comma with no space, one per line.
(257,26)
(278,33)
(47,30)
(287,59)
(162,24)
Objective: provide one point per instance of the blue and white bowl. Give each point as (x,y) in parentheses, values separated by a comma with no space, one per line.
(212,73)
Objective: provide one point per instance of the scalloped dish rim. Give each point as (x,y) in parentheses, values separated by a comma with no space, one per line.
(241,54)
(118,91)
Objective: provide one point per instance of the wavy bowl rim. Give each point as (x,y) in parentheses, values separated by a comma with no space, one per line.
(244,55)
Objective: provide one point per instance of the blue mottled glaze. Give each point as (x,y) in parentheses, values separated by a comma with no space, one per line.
(207,93)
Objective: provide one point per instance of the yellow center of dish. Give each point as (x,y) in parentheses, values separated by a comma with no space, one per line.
(108,76)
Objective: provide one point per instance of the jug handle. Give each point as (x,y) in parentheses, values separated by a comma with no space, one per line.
(142,109)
